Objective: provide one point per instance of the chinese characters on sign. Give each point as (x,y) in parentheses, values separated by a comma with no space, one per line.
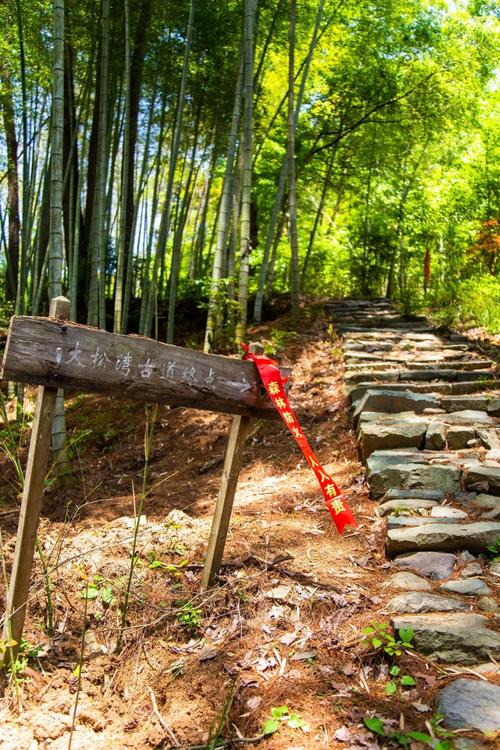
(144,368)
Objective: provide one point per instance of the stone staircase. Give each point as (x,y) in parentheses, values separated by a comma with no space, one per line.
(426,409)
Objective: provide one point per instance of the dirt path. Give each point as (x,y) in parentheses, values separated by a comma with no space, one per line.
(284,625)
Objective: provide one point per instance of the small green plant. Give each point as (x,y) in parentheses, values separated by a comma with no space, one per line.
(279,715)
(376,725)
(155,564)
(380,636)
(494,550)
(26,653)
(98,589)
(277,341)
(399,680)
(189,616)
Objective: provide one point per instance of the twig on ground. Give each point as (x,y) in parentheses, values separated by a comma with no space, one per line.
(166,728)
(275,565)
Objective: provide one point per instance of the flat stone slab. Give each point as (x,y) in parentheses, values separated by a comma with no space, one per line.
(461,403)
(396,522)
(452,638)
(418,601)
(469,416)
(478,472)
(486,501)
(467,587)
(395,401)
(381,416)
(470,704)
(403,472)
(473,386)
(446,511)
(494,407)
(408,581)
(435,437)
(396,434)
(471,569)
(430,374)
(397,494)
(386,376)
(474,537)
(402,504)
(435,565)
(458,436)
(358,391)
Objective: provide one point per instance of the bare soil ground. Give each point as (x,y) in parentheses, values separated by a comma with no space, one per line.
(282,626)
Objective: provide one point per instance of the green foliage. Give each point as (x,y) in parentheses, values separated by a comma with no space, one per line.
(189,616)
(282,714)
(380,637)
(437,741)
(175,569)
(398,680)
(100,589)
(494,550)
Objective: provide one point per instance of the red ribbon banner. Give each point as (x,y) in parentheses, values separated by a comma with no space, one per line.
(271,377)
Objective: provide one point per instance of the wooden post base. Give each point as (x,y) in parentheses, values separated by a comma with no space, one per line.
(36,471)
(240,429)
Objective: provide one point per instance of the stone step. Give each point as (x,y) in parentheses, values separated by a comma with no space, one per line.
(452,638)
(356,390)
(468,364)
(406,471)
(393,401)
(472,536)
(380,366)
(406,430)
(400,337)
(399,329)
(387,363)
(486,473)
(403,521)
(407,433)
(401,505)
(412,360)
(470,704)
(415,602)
(393,374)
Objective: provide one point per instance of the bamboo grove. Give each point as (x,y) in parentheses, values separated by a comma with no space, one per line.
(206,155)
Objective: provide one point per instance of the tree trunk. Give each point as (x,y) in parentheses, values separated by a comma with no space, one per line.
(278,200)
(97,250)
(121,251)
(317,218)
(224,214)
(56,243)
(175,263)
(246,184)
(12,250)
(292,194)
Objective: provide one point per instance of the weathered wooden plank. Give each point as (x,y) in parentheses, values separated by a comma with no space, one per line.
(57,354)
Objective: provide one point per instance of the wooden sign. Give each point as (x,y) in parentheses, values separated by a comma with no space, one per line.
(59,354)
(53,353)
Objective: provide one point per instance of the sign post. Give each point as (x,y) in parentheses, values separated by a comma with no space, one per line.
(29,516)
(240,430)
(55,353)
